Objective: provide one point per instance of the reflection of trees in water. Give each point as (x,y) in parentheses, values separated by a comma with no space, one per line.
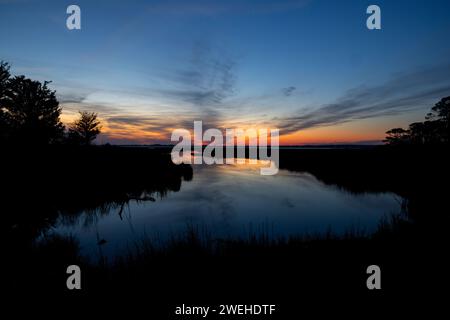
(59,185)
(407,172)
(91,214)
(68,186)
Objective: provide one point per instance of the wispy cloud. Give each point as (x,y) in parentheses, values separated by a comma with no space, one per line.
(288,91)
(71,97)
(205,82)
(402,93)
(209,77)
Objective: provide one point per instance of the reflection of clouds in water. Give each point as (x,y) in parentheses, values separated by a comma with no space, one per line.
(226,200)
(208,195)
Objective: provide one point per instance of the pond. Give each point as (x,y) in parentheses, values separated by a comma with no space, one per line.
(231,201)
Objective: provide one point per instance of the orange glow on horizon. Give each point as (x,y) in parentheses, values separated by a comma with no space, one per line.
(146,134)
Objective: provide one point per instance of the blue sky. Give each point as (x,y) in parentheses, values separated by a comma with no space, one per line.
(309,67)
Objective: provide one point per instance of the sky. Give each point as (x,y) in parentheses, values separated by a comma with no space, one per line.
(308,67)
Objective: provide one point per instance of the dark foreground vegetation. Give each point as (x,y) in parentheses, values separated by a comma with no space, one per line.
(195,267)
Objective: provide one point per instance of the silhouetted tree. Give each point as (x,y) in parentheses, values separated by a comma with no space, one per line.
(440,115)
(84,130)
(4,79)
(441,110)
(434,130)
(397,136)
(423,133)
(31,111)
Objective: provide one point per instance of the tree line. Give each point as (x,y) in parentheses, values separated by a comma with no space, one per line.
(433,131)
(30,114)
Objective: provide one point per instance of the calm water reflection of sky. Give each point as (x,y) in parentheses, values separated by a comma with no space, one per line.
(232,201)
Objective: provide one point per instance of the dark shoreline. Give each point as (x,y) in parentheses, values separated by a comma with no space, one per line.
(407,247)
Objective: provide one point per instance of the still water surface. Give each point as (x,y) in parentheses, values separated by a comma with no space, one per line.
(232,201)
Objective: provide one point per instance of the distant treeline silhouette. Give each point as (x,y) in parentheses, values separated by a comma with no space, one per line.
(434,130)
(30,114)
